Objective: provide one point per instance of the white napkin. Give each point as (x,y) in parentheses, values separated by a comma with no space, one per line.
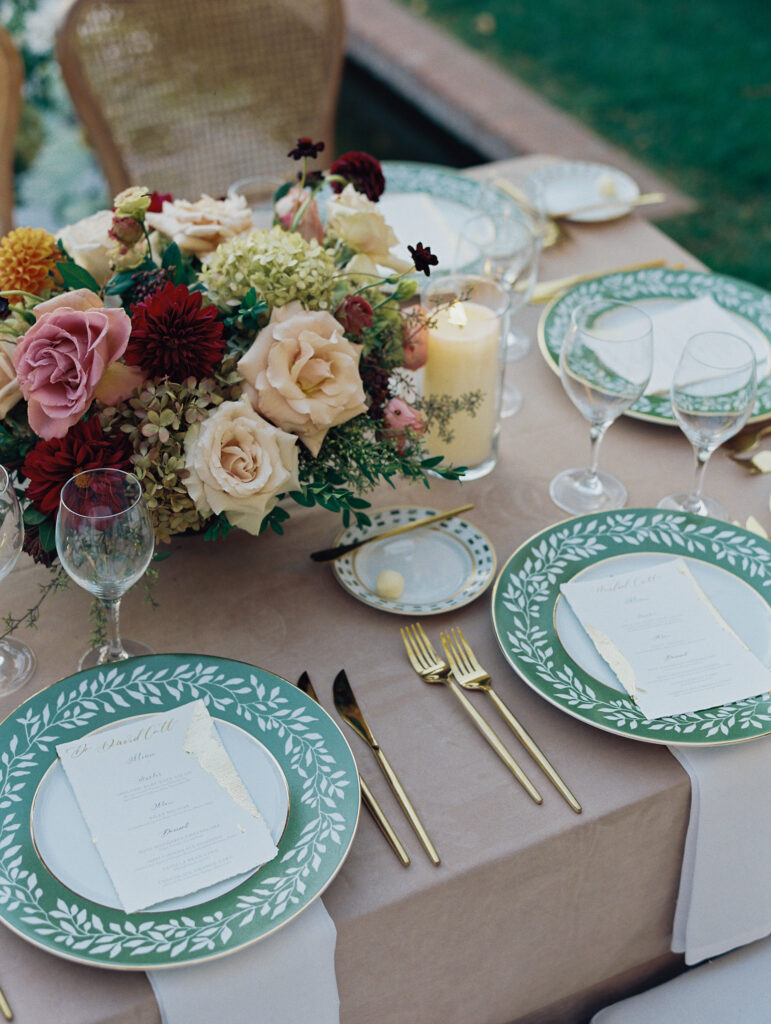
(283,979)
(416,217)
(725,884)
(736,989)
(673,327)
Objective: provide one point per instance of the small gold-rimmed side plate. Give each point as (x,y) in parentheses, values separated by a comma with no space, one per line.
(444,566)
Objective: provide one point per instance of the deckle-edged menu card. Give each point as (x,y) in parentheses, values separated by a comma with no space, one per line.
(668,645)
(165,806)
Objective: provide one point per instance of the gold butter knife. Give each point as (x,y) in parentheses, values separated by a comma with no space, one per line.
(367,796)
(5,1008)
(330,554)
(349,710)
(545,291)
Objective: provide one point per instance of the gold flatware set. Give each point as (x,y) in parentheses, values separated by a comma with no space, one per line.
(460,671)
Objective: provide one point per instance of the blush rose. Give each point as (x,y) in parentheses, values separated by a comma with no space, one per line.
(238,463)
(302,374)
(64,357)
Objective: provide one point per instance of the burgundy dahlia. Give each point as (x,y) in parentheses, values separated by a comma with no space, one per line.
(360,170)
(173,335)
(157,199)
(49,465)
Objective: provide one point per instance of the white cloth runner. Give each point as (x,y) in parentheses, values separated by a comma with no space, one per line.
(283,979)
(725,884)
(735,988)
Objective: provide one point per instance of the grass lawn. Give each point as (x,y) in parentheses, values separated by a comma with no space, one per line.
(683,86)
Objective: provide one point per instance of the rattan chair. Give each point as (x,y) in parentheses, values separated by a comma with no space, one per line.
(11,82)
(188,96)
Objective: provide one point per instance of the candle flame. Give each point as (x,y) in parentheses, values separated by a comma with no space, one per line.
(456,314)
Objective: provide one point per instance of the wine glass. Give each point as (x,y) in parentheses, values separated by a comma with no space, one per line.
(605,363)
(104,538)
(17,662)
(712,394)
(504,246)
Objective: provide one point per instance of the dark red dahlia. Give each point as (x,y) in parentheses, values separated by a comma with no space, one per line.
(32,547)
(355,313)
(306,148)
(423,258)
(173,335)
(360,170)
(50,464)
(157,199)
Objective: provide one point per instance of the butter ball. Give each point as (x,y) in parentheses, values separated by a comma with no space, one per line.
(389,584)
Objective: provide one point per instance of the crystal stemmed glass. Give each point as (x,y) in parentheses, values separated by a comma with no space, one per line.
(104,538)
(605,363)
(504,246)
(712,394)
(17,662)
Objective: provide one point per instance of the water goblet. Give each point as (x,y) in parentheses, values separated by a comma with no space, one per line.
(712,395)
(504,245)
(605,363)
(104,538)
(17,662)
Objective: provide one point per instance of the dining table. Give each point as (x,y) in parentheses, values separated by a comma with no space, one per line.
(536,914)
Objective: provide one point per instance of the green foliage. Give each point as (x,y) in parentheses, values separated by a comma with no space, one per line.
(76,277)
(681,86)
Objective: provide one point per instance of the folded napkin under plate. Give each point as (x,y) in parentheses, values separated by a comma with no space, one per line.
(725,886)
(286,977)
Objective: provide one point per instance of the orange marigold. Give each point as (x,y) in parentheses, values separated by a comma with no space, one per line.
(27,258)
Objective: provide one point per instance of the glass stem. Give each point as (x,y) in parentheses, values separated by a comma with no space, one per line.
(114,647)
(596,434)
(702,458)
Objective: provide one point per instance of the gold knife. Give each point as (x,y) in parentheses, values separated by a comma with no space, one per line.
(330,554)
(367,796)
(545,291)
(5,1008)
(349,710)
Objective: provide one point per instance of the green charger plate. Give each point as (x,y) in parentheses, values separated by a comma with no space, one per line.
(547,646)
(308,746)
(657,289)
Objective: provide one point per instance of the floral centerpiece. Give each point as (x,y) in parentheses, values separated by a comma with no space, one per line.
(226,366)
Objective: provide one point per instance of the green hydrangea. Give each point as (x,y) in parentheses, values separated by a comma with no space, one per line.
(280,265)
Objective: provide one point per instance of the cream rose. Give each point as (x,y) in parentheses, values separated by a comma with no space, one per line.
(199,227)
(89,244)
(238,463)
(10,392)
(302,373)
(357,221)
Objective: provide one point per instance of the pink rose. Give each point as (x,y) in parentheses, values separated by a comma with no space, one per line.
(402,422)
(309,225)
(302,374)
(61,361)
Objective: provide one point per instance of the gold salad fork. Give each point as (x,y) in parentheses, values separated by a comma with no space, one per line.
(471,676)
(431,669)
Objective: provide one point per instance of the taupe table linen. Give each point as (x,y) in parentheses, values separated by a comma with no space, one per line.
(536,915)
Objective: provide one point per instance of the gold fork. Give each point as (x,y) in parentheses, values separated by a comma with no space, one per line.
(432,669)
(471,676)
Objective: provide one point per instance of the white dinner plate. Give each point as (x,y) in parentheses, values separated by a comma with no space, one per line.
(444,566)
(572,184)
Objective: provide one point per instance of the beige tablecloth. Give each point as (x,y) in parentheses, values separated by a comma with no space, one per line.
(536,915)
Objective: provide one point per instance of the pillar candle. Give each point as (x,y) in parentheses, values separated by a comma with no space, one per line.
(463,357)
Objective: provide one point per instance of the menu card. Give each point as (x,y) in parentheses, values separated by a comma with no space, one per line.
(165,806)
(667,644)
